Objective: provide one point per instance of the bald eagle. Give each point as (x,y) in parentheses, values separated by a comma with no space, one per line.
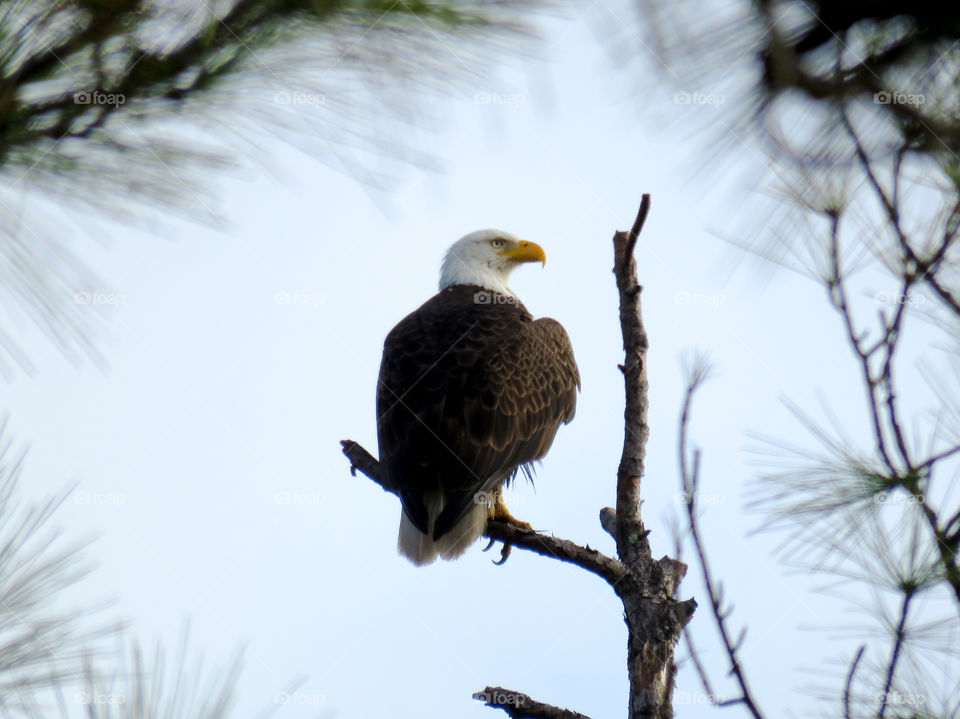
(472,390)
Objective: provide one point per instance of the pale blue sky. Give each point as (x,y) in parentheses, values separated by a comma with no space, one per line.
(207,457)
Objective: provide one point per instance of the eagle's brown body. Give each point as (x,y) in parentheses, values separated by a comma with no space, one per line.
(471,389)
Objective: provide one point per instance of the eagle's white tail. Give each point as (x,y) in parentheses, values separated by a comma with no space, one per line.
(420,548)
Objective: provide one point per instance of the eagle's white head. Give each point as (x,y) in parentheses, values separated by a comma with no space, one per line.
(486,258)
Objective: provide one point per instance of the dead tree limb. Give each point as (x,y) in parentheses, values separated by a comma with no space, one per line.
(631,537)
(521,706)
(655,619)
(690,486)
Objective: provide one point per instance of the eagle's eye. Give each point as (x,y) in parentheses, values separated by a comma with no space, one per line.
(498,242)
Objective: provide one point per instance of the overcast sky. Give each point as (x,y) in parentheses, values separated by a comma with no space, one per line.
(207,458)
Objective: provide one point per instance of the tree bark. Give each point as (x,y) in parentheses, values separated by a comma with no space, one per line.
(654,618)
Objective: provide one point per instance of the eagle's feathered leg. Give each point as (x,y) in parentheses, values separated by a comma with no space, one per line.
(498,511)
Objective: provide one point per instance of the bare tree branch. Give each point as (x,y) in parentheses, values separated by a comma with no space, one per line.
(690,484)
(521,706)
(631,536)
(564,550)
(655,618)
(851,675)
(361,459)
(895,653)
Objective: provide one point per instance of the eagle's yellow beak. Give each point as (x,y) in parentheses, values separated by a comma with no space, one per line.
(525,251)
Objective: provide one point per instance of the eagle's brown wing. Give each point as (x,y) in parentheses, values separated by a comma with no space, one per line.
(471,388)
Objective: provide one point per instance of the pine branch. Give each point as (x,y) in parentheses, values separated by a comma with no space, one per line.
(124,107)
(690,486)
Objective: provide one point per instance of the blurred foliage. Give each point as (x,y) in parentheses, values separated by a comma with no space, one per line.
(126,108)
(44,643)
(58,659)
(853,112)
(904,57)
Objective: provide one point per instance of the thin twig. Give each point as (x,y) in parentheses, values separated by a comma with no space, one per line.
(928,273)
(638,225)
(836,285)
(895,654)
(849,684)
(913,269)
(690,479)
